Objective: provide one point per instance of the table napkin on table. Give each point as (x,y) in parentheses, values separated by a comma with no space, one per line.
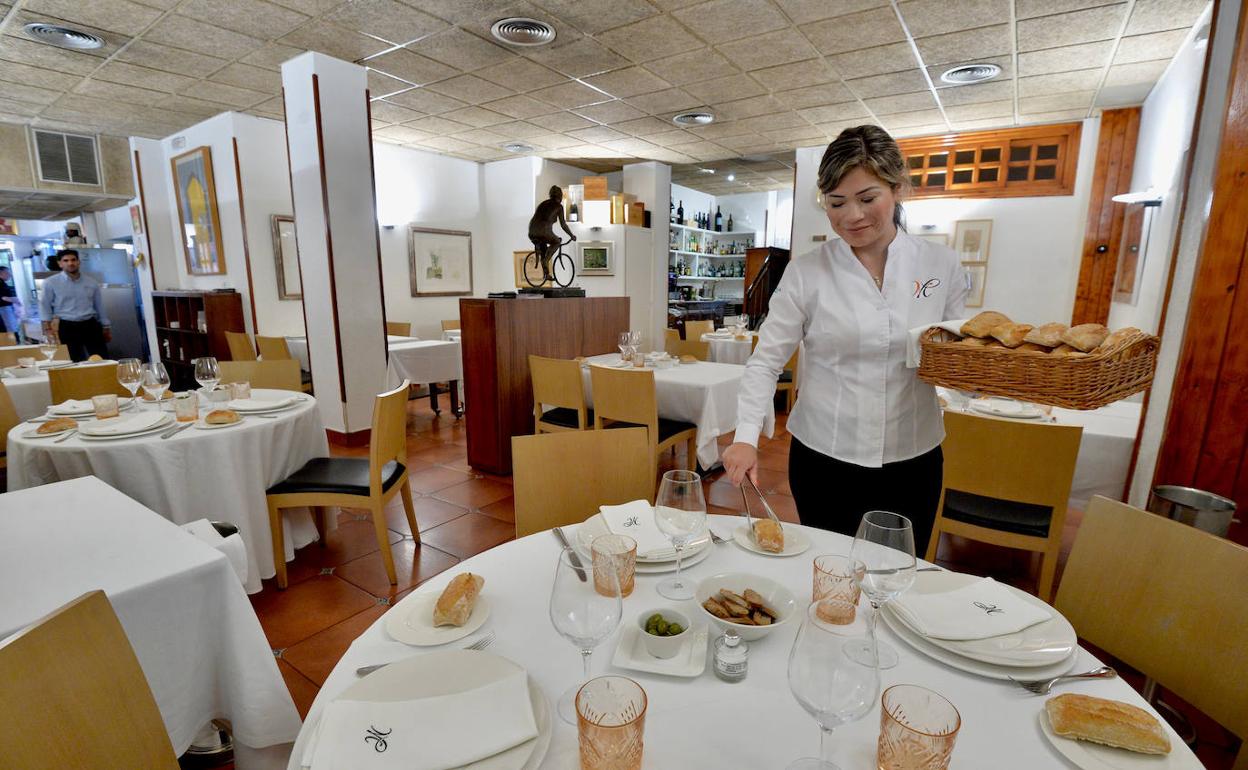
(72,406)
(913,349)
(435,733)
(977,611)
(636,519)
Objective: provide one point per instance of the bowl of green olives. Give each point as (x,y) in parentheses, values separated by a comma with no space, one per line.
(664,631)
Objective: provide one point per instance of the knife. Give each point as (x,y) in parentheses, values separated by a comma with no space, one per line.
(572,557)
(176,430)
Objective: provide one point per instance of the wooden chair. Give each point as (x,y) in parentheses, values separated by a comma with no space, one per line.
(398,328)
(9,356)
(276,349)
(241,348)
(7,339)
(695,329)
(84,382)
(787,383)
(611,467)
(451,324)
(674,345)
(8,419)
(1168,600)
(353,482)
(279,375)
(628,397)
(1026,468)
(75,696)
(671,338)
(557,382)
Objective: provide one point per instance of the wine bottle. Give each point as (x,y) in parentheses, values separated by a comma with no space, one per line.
(719,221)
(574,215)
(730,223)
(671,211)
(680,214)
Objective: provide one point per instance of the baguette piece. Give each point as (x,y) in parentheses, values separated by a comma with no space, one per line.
(1031,347)
(983,323)
(1066,350)
(1085,337)
(56,425)
(1109,722)
(456,602)
(770,535)
(1010,334)
(974,342)
(1048,335)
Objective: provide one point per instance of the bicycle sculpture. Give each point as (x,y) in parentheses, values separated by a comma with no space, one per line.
(548,262)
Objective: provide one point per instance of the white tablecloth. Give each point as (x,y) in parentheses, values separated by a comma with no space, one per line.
(729,350)
(214,474)
(190,624)
(689,722)
(425,361)
(703,393)
(299,347)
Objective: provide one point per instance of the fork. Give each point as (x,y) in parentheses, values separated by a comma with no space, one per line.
(66,436)
(716,539)
(480,644)
(1042,686)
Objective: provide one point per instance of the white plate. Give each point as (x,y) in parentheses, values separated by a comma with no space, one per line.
(115,427)
(32,434)
(1004,407)
(201,425)
(55,364)
(157,428)
(630,653)
(595,526)
(411,621)
(969,665)
(795,540)
(1043,644)
(659,567)
(450,671)
(1094,756)
(257,405)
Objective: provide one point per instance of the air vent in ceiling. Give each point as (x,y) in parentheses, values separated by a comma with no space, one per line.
(522,31)
(69,158)
(518,147)
(693,119)
(970,73)
(62,37)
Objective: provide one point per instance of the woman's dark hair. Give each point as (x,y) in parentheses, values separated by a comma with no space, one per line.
(868,147)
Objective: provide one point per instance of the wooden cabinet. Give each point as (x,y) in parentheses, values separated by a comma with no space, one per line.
(1003,163)
(192,324)
(497,337)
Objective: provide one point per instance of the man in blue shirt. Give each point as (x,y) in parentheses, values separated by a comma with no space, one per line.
(74,302)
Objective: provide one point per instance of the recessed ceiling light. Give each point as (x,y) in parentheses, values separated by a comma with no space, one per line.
(732,177)
(62,37)
(693,119)
(706,171)
(519,30)
(518,147)
(970,73)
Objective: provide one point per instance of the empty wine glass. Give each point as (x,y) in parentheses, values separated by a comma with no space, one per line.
(829,682)
(885,545)
(680,513)
(130,375)
(585,611)
(624,343)
(155,381)
(207,373)
(48,349)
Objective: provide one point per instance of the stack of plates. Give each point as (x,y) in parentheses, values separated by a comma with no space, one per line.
(139,424)
(264,405)
(1044,650)
(695,552)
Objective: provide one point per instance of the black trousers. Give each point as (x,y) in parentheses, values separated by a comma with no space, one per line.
(832,494)
(83,338)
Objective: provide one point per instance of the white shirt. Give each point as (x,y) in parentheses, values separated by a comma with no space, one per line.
(858,402)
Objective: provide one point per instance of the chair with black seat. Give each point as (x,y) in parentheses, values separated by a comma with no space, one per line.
(351,482)
(76,697)
(557,383)
(626,398)
(240,345)
(787,383)
(1006,482)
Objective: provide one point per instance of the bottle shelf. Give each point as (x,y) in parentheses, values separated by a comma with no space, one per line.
(691,229)
(709,278)
(704,254)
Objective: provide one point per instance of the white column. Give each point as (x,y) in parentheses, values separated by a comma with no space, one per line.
(646,279)
(331,174)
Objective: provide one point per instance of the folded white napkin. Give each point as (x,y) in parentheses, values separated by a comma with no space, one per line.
(231,546)
(115,426)
(73,406)
(636,519)
(913,350)
(980,610)
(434,733)
(255,404)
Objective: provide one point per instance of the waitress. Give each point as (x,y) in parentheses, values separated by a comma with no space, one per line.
(866,431)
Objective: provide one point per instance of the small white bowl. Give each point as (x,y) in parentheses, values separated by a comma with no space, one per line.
(777,597)
(21,371)
(664,646)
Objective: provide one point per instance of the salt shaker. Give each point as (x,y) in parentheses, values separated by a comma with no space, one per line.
(731,657)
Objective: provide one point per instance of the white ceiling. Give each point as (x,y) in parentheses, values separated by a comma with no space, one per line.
(778,74)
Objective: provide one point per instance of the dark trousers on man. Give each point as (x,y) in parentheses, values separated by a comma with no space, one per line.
(83,338)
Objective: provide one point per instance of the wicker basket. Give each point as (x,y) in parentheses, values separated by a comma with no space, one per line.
(1078,382)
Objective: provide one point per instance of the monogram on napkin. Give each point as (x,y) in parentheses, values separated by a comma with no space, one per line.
(636,519)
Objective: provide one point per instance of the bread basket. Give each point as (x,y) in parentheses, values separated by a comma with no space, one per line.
(1073,382)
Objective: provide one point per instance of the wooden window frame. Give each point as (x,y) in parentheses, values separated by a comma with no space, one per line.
(1065,164)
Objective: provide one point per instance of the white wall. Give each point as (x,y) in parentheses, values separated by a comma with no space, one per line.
(749,214)
(694,201)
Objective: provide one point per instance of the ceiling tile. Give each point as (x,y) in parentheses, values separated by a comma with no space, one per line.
(447,143)
(437,125)
(1134,74)
(993,91)
(553,141)
(119,92)
(520,75)
(632,146)
(814,96)
(333,40)
(1161,15)
(1150,47)
(470,89)
(925,18)
(386,19)
(981,123)
(518,129)
(1070,28)
(646,127)
(477,117)
(1059,83)
(928,129)
(1028,9)
(964,112)
(628,82)
(594,16)
(192,35)
(720,129)
(45,56)
(1072,101)
(854,31)
(191,106)
(580,59)
(796,75)
(256,78)
(597,134)
(725,89)
(254,18)
(223,94)
(910,119)
(889,105)
(610,112)
(1071,57)
(874,61)
(1049,117)
(744,140)
(774,48)
(271,56)
(719,21)
(481,136)
(412,67)
(29,94)
(748,108)
(569,94)
(39,77)
(560,121)
(671,138)
(650,39)
(393,113)
(834,113)
(664,101)
(1123,96)
(120,16)
(519,106)
(802,11)
(692,66)
(426,101)
(381,84)
(766,123)
(462,50)
(966,46)
(908,82)
(795,136)
(401,134)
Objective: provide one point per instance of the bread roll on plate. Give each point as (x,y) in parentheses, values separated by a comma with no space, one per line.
(1048,335)
(221,417)
(1010,334)
(983,324)
(56,426)
(1085,337)
(1109,722)
(769,535)
(455,605)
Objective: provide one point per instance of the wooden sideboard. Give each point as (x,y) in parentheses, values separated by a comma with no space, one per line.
(497,337)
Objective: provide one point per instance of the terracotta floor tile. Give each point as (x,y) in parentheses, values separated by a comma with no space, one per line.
(770,482)
(784,507)
(350,541)
(316,656)
(440,455)
(774,461)
(475,493)
(305,608)
(302,690)
(435,478)
(721,510)
(724,494)
(412,566)
(503,510)
(421,443)
(469,535)
(429,513)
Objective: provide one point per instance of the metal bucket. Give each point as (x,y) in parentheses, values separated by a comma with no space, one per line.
(1194,507)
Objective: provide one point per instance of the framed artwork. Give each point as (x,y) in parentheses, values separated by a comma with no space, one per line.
(971,238)
(286,257)
(440,262)
(518,258)
(595,258)
(197,212)
(8,226)
(976,278)
(941,238)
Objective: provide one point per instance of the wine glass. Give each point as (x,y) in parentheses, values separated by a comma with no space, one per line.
(207,373)
(48,349)
(130,375)
(584,610)
(828,681)
(624,342)
(680,513)
(155,381)
(885,545)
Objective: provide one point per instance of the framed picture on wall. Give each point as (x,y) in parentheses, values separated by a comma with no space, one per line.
(976,278)
(518,259)
(595,258)
(941,238)
(197,212)
(440,262)
(286,257)
(971,238)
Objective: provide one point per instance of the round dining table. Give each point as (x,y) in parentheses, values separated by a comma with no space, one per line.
(702,722)
(219,474)
(727,349)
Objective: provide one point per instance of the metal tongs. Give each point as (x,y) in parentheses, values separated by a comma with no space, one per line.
(766,508)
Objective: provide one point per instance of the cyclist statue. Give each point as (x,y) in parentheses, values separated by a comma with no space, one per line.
(542,229)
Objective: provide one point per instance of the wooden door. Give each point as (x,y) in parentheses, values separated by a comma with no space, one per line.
(1115,156)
